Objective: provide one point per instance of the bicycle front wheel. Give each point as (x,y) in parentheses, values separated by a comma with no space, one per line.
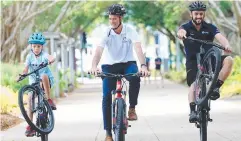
(119,126)
(207,75)
(36,110)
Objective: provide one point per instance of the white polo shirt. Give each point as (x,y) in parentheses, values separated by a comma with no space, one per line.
(118,48)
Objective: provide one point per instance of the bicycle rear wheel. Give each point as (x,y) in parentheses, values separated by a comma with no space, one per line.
(36,110)
(119,126)
(203,125)
(207,75)
(44,137)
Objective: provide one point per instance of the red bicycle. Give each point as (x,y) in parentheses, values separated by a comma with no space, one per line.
(119,119)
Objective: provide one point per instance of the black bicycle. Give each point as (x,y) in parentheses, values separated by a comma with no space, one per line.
(209,65)
(119,119)
(43,117)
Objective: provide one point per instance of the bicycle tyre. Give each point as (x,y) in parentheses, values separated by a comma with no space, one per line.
(119,127)
(211,52)
(203,125)
(44,137)
(25,115)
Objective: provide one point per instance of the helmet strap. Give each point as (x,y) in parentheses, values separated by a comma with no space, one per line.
(118,25)
(36,55)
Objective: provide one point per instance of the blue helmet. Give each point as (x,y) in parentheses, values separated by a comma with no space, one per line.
(36,38)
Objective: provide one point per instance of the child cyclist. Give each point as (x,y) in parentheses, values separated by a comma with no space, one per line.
(33,60)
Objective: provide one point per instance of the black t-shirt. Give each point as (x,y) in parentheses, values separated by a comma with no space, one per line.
(158,62)
(207,32)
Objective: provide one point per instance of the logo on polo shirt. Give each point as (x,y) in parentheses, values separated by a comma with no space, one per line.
(203,32)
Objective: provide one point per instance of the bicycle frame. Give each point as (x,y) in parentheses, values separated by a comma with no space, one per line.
(119,91)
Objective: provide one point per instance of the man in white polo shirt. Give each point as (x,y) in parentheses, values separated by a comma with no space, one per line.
(117,48)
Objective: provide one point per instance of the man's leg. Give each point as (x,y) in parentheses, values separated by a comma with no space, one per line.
(46,86)
(227,63)
(191,68)
(134,88)
(108,84)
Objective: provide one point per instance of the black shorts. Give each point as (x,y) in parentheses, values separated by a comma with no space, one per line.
(191,69)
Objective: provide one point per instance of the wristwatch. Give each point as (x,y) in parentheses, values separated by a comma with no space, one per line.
(143,65)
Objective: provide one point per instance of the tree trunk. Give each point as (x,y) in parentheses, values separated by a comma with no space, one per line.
(14,18)
(60,17)
(237,13)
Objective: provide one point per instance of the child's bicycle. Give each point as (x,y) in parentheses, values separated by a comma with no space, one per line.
(43,117)
(119,119)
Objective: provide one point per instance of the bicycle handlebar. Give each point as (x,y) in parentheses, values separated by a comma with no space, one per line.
(205,42)
(102,74)
(23,76)
(209,43)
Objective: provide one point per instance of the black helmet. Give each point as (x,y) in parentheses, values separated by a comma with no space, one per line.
(197,6)
(116,9)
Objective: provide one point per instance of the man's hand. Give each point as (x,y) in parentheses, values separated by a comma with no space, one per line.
(144,72)
(94,71)
(181,33)
(228,49)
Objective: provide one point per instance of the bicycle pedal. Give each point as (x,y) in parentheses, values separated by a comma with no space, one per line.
(197,125)
(211,120)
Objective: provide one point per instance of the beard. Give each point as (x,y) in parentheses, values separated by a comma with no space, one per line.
(196,22)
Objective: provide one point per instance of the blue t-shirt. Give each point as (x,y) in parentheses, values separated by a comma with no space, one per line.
(33,62)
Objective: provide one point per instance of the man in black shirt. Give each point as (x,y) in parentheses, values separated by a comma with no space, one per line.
(199,29)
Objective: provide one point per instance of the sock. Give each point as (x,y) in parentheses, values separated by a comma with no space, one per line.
(219,83)
(192,106)
(108,133)
(132,106)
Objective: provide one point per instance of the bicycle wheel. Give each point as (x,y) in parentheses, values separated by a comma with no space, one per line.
(44,137)
(207,75)
(33,106)
(119,126)
(203,125)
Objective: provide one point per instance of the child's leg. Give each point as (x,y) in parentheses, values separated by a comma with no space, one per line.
(46,85)
(29,131)
(29,103)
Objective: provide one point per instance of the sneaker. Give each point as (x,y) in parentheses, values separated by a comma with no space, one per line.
(29,132)
(192,117)
(132,114)
(51,103)
(108,138)
(215,94)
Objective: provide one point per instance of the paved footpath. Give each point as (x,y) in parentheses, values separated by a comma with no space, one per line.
(163,116)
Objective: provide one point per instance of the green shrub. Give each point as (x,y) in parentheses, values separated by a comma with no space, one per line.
(232,85)
(9,75)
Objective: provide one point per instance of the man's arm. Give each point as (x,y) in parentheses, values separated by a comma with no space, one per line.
(139,52)
(97,56)
(223,41)
(181,33)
